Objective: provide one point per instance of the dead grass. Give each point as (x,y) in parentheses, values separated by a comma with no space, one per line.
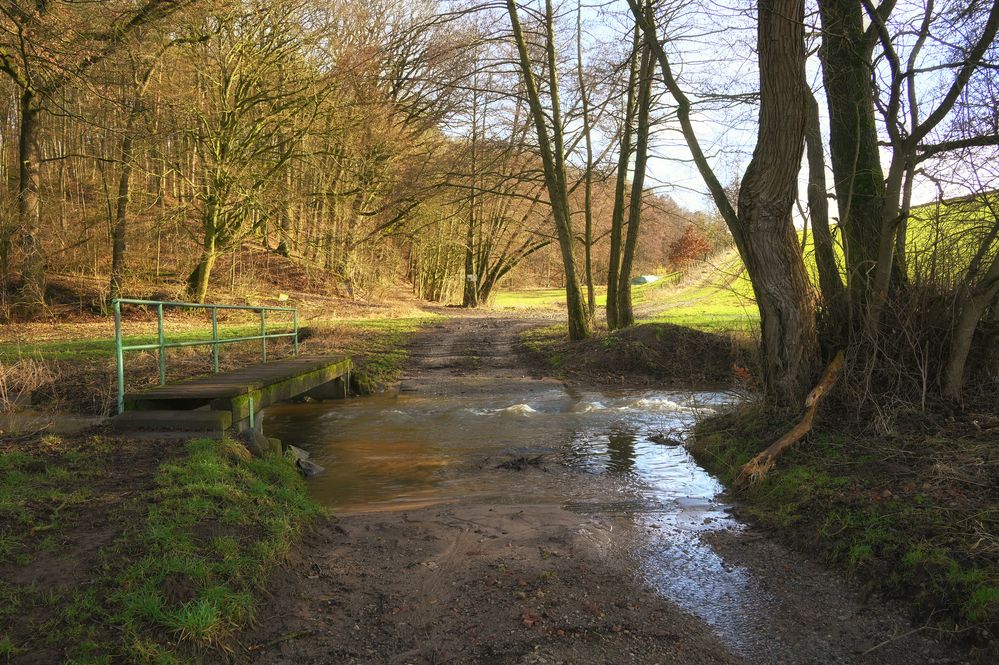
(650,353)
(20,379)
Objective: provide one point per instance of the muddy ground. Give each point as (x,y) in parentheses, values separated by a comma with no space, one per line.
(535,582)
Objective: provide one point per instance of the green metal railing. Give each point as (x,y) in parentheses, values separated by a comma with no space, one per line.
(215,342)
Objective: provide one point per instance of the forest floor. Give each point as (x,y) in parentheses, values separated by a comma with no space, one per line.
(529,581)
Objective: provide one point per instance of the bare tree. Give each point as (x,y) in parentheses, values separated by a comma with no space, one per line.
(36,38)
(551,145)
(762,226)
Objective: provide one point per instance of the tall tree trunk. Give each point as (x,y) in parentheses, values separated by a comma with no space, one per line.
(853,144)
(198,280)
(287,215)
(972,306)
(31,297)
(118,229)
(830,282)
(620,187)
(120,218)
(470,294)
(766,198)
(625,312)
(762,227)
(552,149)
(978,291)
(584,98)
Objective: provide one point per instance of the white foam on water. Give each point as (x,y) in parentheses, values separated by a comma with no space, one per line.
(519,408)
(663,404)
(516,409)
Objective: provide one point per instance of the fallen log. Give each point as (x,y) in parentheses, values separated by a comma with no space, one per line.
(756,469)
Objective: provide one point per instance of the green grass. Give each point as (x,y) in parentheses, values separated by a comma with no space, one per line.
(70,349)
(379,346)
(883,516)
(722,301)
(196,585)
(555,298)
(35,493)
(387,330)
(182,577)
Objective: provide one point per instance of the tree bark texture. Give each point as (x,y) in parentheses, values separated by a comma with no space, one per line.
(620,188)
(830,282)
(31,297)
(853,143)
(766,196)
(625,313)
(553,159)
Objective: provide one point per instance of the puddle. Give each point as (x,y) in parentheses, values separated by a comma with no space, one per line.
(409,450)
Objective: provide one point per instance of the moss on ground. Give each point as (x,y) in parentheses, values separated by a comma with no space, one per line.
(179,573)
(913,515)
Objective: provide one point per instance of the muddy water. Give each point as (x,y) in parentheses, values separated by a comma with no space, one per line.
(395,451)
(402,451)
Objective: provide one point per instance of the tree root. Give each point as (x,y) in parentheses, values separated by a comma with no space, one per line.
(756,469)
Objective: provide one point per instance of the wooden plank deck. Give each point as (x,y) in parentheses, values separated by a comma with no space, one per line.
(236,382)
(261,384)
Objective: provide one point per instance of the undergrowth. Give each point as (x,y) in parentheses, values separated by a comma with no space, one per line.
(912,515)
(650,352)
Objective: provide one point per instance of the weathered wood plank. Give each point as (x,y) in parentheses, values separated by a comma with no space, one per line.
(231,391)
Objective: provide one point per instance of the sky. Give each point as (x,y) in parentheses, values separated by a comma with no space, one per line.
(713,50)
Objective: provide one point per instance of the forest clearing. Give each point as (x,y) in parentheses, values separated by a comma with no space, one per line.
(534,331)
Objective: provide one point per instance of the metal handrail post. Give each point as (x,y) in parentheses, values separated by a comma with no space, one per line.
(263,334)
(161,336)
(215,339)
(119,356)
(161,345)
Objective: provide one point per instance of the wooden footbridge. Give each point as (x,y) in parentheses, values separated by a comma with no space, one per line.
(212,404)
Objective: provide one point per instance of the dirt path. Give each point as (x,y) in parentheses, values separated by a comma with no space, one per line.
(471,581)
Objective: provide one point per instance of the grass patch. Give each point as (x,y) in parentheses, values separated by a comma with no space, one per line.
(527,299)
(719,299)
(79,375)
(36,494)
(906,514)
(103,346)
(193,546)
(218,522)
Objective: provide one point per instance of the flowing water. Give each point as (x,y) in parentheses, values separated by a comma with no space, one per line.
(399,451)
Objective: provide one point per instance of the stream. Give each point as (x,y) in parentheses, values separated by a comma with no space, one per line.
(405,451)
(488,513)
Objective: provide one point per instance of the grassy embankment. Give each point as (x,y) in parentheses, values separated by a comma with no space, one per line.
(116,550)
(911,512)
(108,555)
(695,331)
